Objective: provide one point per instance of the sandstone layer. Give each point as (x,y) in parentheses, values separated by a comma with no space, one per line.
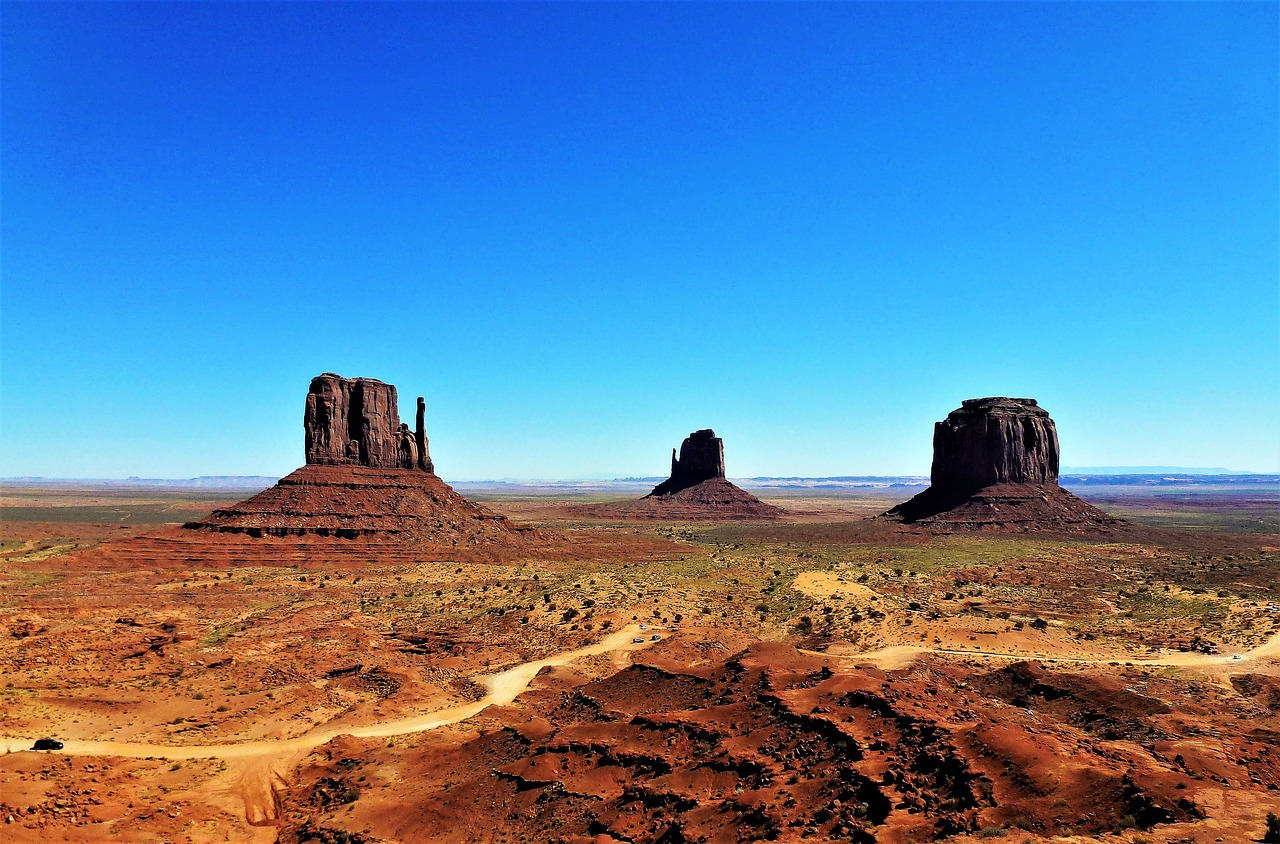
(348,502)
(994,441)
(995,465)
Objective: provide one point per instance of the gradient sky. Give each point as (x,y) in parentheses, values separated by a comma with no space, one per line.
(584,230)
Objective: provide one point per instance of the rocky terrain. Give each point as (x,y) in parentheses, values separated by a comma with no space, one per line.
(995,467)
(690,743)
(346,502)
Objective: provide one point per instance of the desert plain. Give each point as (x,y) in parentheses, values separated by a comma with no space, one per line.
(815,676)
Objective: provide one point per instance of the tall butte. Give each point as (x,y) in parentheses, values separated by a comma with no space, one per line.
(698,488)
(995,465)
(366,475)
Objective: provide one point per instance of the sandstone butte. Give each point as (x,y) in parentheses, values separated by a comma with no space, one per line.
(698,489)
(366,475)
(995,465)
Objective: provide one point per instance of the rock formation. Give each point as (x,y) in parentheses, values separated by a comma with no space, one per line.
(701,459)
(995,464)
(994,441)
(697,489)
(356,422)
(366,475)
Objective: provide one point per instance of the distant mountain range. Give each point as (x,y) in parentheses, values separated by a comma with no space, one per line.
(1149,470)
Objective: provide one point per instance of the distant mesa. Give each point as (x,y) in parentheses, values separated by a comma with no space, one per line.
(697,489)
(995,465)
(366,475)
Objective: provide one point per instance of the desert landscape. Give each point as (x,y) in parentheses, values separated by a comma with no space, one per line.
(361,654)
(721,422)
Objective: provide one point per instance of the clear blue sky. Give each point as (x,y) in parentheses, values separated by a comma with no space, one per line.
(584,230)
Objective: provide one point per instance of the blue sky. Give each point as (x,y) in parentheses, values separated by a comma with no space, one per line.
(584,230)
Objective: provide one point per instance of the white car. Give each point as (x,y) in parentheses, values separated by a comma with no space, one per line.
(639,640)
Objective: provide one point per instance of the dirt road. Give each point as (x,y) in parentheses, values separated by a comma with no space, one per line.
(898,656)
(503,688)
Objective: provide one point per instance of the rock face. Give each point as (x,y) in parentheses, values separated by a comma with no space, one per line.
(701,459)
(356,422)
(995,465)
(367,476)
(994,441)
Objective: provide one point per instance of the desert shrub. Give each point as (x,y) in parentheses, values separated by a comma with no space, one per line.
(1272,835)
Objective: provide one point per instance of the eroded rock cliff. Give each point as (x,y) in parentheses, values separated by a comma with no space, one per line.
(356,422)
(994,441)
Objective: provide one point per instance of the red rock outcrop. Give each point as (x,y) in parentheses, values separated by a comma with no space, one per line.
(995,465)
(994,441)
(770,744)
(697,489)
(367,476)
(356,422)
(701,459)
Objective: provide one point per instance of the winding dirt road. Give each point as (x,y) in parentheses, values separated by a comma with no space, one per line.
(505,686)
(502,688)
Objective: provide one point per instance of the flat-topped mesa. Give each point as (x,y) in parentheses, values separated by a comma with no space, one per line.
(995,466)
(701,459)
(356,422)
(994,441)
